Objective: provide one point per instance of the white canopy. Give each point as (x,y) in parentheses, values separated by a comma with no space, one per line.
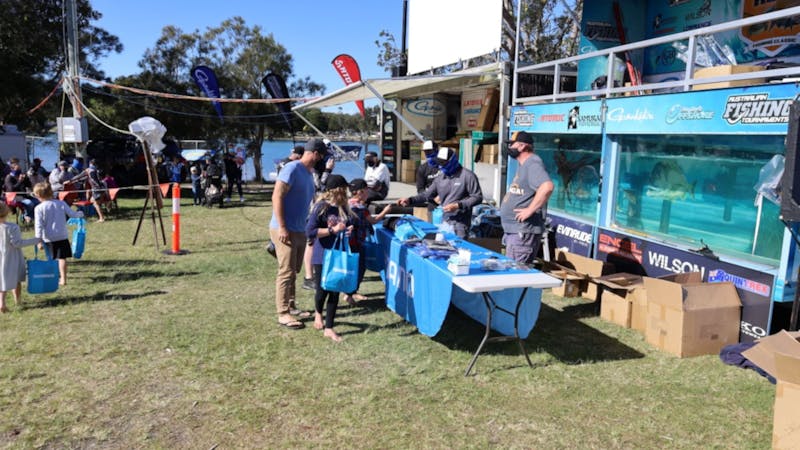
(406,87)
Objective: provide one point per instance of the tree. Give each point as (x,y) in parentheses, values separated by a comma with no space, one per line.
(240,56)
(33,56)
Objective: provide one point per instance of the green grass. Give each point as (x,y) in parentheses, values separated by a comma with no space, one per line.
(146,350)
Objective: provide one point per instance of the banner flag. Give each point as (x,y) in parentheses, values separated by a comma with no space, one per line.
(164,188)
(277,89)
(206,80)
(112,193)
(347,67)
(10,196)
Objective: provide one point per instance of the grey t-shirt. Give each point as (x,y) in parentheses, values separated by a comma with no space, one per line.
(527,180)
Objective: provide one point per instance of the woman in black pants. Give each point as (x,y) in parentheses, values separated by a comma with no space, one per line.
(330,216)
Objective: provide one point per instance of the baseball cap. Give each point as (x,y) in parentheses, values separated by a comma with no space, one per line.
(522,136)
(335,181)
(444,155)
(357,185)
(316,145)
(298,149)
(63,163)
(429,146)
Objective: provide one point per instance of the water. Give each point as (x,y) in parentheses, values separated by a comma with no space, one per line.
(46,149)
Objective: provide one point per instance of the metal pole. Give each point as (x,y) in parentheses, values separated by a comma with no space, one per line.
(403,69)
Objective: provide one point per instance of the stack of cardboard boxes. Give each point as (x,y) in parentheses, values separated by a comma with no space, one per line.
(676,313)
(408,170)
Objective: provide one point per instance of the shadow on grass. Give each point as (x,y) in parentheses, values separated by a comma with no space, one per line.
(137,275)
(561,334)
(98,297)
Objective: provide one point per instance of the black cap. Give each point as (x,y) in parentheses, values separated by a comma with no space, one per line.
(373,154)
(298,149)
(316,145)
(357,185)
(522,136)
(335,181)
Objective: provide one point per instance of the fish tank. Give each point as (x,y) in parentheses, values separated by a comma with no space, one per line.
(573,162)
(699,190)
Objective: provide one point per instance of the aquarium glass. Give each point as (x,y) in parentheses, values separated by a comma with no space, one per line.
(573,162)
(699,190)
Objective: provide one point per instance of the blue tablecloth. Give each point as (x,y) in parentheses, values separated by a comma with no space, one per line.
(420,289)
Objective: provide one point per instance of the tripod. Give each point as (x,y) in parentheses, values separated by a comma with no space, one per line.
(153,199)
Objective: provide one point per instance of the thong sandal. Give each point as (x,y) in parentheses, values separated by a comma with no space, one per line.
(292,324)
(300,313)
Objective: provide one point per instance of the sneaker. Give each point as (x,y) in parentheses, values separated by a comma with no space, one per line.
(271,249)
(227,199)
(309,284)
(241,199)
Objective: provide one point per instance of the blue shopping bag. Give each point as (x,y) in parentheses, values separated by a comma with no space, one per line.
(42,274)
(437,215)
(78,236)
(339,267)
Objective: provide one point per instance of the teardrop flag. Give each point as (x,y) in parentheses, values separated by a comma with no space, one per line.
(277,89)
(347,67)
(206,80)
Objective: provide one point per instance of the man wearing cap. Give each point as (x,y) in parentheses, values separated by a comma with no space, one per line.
(291,199)
(457,188)
(377,177)
(523,210)
(428,170)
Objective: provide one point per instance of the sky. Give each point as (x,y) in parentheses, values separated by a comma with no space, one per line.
(312,31)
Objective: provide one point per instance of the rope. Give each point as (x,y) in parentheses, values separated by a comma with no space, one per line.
(193,98)
(68,87)
(45,100)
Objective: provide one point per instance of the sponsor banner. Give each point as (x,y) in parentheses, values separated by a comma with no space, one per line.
(655,260)
(206,80)
(575,237)
(761,109)
(777,38)
(276,87)
(574,117)
(347,67)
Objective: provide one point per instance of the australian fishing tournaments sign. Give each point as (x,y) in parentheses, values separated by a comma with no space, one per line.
(761,109)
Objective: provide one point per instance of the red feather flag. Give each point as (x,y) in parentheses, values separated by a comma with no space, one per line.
(347,67)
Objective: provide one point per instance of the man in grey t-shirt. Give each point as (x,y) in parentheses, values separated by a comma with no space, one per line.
(522,212)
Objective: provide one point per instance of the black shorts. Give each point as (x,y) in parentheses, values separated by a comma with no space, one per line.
(60,249)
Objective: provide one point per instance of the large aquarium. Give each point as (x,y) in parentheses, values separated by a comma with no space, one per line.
(700,190)
(573,162)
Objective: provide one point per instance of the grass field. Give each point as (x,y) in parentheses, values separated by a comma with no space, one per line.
(146,350)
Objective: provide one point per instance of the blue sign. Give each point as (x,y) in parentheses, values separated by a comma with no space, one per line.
(568,117)
(744,110)
(574,236)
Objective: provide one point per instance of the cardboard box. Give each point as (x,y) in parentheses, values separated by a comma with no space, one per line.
(423,213)
(620,290)
(719,71)
(779,356)
(408,170)
(589,267)
(427,114)
(488,115)
(688,318)
(573,284)
(489,153)
(477,110)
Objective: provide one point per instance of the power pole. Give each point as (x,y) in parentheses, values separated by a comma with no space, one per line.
(73,71)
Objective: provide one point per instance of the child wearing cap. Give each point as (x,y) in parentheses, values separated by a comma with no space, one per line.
(330,216)
(362,230)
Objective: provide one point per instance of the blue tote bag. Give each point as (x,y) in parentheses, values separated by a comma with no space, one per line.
(42,274)
(339,267)
(78,236)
